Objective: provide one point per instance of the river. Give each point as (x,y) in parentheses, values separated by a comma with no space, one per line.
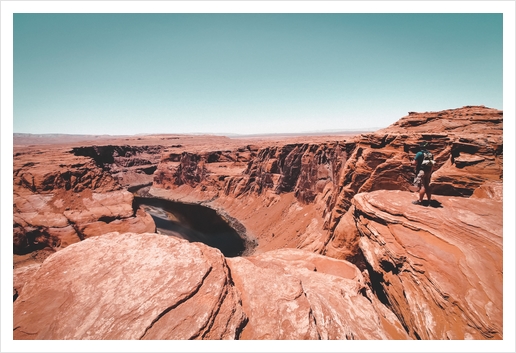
(194,223)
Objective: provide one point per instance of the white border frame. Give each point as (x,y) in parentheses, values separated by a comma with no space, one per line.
(10,7)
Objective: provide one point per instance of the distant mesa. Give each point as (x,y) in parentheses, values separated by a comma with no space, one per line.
(45,139)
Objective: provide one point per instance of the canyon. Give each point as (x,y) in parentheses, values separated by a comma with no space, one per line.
(331,246)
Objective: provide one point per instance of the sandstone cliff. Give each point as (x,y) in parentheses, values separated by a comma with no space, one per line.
(62,197)
(431,275)
(305,188)
(309,184)
(341,253)
(439,267)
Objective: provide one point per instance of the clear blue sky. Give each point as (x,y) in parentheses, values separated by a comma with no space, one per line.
(248,73)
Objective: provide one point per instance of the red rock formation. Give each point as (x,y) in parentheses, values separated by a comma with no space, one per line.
(294,294)
(261,188)
(439,268)
(474,153)
(325,176)
(371,162)
(127,287)
(150,286)
(61,198)
(129,165)
(421,272)
(489,190)
(478,120)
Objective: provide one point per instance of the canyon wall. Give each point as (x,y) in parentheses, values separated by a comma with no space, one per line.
(304,189)
(328,219)
(64,196)
(310,185)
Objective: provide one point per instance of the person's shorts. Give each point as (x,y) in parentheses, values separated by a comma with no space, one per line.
(418,180)
(422,178)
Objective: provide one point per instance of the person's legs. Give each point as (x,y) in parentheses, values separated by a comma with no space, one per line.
(419,185)
(422,193)
(428,193)
(426,185)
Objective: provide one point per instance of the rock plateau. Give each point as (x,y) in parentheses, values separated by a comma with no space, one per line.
(336,249)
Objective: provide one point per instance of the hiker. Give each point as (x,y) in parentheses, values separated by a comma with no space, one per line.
(424,163)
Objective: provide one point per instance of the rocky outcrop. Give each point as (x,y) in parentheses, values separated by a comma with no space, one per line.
(304,169)
(61,198)
(21,276)
(280,183)
(150,286)
(47,220)
(376,161)
(324,176)
(206,170)
(50,170)
(341,252)
(131,166)
(467,144)
(130,286)
(438,267)
(489,190)
(474,152)
(294,294)
(422,272)
(477,120)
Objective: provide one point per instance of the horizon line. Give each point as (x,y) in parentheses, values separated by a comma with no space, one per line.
(228,134)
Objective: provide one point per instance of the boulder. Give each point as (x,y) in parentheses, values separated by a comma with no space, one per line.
(130,286)
(150,286)
(292,294)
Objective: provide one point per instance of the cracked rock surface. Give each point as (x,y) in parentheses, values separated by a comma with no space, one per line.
(150,286)
(439,268)
(130,286)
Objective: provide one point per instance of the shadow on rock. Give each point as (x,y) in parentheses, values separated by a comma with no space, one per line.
(432,203)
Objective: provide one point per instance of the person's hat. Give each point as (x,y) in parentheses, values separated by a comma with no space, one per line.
(423,144)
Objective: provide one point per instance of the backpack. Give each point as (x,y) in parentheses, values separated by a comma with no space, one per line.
(428,160)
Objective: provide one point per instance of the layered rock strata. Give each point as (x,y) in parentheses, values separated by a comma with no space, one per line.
(418,272)
(62,197)
(430,272)
(317,182)
(438,267)
(131,166)
(150,286)
(252,183)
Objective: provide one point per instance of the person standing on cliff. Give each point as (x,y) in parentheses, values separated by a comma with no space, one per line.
(424,163)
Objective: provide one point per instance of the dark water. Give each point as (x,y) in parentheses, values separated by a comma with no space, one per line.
(194,223)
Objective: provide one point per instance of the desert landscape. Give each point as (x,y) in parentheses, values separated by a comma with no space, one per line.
(306,237)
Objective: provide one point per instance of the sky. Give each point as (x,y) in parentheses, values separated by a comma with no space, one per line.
(247,73)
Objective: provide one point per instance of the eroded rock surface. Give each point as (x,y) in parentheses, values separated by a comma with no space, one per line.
(250,181)
(130,286)
(150,286)
(323,177)
(294,294)
(390,270)
(129,165)
(479,120)
(438,267)
(61,198)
